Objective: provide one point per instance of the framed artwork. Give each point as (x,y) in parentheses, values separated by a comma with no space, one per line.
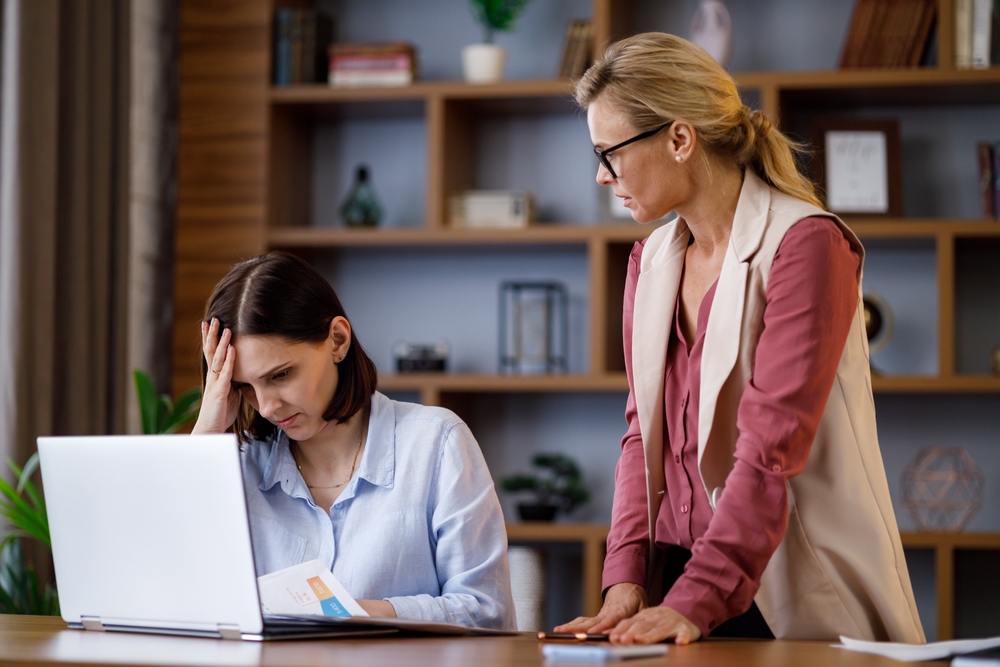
(857,166)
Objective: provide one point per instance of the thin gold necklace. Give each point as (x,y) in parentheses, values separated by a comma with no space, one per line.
(349,477)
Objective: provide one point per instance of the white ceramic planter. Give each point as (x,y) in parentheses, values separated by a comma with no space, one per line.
(482,63)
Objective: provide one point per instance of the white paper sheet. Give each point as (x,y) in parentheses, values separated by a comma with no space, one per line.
(918,652)
(306,589)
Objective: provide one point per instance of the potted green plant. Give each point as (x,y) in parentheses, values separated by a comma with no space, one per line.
(483,63)
(558,487)
(23,507)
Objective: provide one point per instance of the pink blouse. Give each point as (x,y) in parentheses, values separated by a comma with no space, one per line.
(812,295)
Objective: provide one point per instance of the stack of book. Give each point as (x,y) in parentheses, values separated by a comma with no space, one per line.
(578,50)
(301,37)
(989,178)
(977,37)
(889,33)
(393,64)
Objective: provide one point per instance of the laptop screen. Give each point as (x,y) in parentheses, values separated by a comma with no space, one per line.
(151,531)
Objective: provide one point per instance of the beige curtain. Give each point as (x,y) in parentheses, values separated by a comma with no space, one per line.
(64,204)
(153,141)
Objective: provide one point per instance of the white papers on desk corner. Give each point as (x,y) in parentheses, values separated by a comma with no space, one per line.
(306,589)
(918,652)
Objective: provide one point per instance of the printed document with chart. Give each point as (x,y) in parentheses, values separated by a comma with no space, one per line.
(306,589)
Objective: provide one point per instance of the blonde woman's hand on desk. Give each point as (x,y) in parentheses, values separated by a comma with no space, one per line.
(623,601)
(220,401)
(655,624)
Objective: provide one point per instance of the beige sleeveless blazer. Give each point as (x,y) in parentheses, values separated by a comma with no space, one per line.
(840,568)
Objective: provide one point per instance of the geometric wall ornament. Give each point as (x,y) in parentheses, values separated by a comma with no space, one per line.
(943,488)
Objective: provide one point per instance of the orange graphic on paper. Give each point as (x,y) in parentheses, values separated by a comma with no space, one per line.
(319,588)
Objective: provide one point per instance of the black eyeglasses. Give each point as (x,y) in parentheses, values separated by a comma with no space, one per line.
(602,155)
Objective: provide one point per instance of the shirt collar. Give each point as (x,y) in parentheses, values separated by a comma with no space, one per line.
(377,464)
(280,468)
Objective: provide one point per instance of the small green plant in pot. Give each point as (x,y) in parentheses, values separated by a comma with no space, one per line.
(557,487)
(483,63)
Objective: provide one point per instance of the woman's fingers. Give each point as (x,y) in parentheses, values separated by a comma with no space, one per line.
(209,339)
(225,373)
(578,624)
(655,625)
(218,359)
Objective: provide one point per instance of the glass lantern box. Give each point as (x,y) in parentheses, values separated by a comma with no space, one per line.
(533,328)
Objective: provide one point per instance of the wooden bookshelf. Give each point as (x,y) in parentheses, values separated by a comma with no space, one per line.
(593,538)
(243,188)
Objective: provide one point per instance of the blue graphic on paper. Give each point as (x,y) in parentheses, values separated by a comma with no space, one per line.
(331,607)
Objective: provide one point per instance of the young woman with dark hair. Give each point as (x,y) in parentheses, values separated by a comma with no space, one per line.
(395,497)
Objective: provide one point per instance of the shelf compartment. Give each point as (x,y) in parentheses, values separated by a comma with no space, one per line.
(593,539)
(977,303)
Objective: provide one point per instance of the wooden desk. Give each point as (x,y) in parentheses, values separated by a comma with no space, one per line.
(42,640)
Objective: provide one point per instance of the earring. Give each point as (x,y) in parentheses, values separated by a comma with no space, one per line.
(679,158)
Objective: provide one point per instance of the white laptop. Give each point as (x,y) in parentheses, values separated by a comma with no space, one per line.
(150,534)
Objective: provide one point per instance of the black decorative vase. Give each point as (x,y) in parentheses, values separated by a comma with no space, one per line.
(537,512)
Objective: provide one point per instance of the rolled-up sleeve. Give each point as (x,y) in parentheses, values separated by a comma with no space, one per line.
(469,539)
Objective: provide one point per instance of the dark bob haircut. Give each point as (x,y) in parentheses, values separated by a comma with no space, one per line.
(278,294)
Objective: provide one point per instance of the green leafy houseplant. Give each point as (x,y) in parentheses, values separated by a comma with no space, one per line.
(559,486)
(160,414)
(21,591)
(497,15)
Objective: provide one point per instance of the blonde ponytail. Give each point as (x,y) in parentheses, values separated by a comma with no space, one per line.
(654,77)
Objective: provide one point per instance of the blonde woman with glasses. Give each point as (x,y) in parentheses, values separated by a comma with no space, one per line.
(750,496)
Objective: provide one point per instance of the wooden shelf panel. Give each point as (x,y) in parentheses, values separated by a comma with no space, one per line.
(904,228)
(929,540)
(337,237)
(544,531)
(867,78)
(487,384)
(618,382)
(837,80)
(959,384)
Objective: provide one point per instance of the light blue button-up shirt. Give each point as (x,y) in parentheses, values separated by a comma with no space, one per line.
(419,525)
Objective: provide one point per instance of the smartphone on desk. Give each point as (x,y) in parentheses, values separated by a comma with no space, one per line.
(600,652)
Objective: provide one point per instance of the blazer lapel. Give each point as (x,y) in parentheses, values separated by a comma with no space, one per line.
(725,320)
(655,299)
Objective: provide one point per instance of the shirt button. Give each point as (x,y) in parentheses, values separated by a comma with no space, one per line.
(776,468)
(684,509)
(339,505)
(677,458)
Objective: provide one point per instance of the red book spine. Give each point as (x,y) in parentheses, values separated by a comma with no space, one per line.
(996,180)
(986,179)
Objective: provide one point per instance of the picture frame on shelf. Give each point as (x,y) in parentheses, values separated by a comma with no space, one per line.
(857,166)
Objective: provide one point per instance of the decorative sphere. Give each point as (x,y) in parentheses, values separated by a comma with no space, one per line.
(873,318)
(943,488)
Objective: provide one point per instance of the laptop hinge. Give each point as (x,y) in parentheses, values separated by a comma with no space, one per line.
(92,623)
(230,631)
